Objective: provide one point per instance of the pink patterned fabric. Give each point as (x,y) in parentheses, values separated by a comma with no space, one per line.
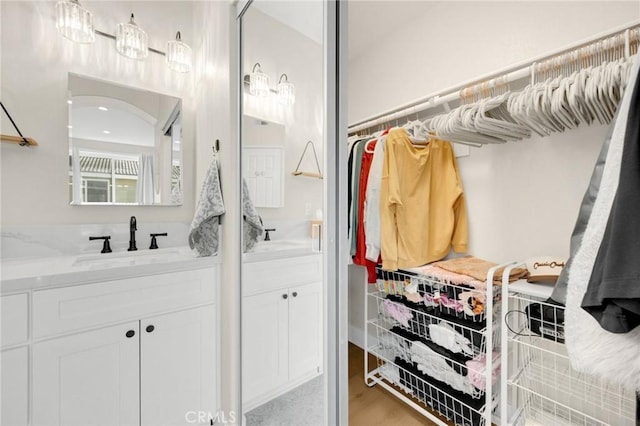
(451,303)
(476,371)
(398,311)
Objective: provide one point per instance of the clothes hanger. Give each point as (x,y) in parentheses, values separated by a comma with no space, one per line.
(487,121)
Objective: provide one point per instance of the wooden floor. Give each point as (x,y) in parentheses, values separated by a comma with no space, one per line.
(375,406)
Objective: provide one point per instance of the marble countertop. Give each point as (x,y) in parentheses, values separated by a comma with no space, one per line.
(59,270)
(278,249)
(24,274)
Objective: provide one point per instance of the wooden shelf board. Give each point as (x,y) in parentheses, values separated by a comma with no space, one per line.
(18,140)
(309,174)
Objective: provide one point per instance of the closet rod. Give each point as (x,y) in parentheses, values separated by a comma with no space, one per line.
(510,74)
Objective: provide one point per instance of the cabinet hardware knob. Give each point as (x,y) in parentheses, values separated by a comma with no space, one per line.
(150,328)
(295,293)
(284,296)
(130,333)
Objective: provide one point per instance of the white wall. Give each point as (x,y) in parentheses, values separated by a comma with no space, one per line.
(280,49)
(522,197)
(35,64)
(215,65)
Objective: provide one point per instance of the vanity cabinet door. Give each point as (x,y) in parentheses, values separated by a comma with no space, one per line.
(177,367)
(305,330)
(89,378)
(15,391)
(264,344)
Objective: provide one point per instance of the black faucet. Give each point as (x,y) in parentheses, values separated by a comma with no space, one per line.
(154,242)
(132,234)
(106,248)
(266,232)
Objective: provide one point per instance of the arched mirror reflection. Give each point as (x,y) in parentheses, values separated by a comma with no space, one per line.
(283,303)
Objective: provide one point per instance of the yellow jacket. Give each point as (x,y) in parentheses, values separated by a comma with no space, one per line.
(422,206)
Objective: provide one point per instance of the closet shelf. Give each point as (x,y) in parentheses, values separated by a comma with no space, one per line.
(518,72)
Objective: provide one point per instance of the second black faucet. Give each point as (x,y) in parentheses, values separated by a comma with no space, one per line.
(133,227)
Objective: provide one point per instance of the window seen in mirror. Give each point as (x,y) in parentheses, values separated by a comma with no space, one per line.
(108,179)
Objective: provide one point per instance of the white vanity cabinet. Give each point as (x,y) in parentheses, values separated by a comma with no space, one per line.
(177,369)
(14,360)
(132,351)
(305,330)
(89,378)
(15,391)
(281,326)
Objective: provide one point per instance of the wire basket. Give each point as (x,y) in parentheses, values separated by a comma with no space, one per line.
(439,298)
(542,380)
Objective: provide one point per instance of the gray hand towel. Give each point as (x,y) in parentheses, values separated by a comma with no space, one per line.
(252,227)
(204,235)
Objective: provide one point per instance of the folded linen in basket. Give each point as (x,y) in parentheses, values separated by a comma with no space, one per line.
(448,277)
(478,268)
(432,364)
(476,371)
(396,345)
(444,335)
(461,408)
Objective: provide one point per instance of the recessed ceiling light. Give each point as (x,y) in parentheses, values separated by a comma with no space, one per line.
(103,108)
(106,132)
(69,101)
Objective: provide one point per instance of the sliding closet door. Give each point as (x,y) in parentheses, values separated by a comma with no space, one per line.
(290,274)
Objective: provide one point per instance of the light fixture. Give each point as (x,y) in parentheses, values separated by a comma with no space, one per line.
(286,91)
(101,108)
(131,40)
(258,82)
(74,21)
(178,55)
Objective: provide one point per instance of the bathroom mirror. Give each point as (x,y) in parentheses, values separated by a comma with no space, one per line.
(263,161)
(125,145)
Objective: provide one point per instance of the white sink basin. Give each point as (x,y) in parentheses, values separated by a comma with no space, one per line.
(277,245)
(276,249)
(130,258)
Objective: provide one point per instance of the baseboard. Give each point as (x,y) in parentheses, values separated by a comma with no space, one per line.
(356,336)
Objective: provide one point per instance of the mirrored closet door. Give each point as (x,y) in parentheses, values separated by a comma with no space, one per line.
(281,133)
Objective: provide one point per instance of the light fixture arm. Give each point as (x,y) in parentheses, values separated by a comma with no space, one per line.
(286,78)
(257,64)
(112,37)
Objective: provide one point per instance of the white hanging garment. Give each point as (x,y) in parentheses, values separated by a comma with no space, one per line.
(593,350)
